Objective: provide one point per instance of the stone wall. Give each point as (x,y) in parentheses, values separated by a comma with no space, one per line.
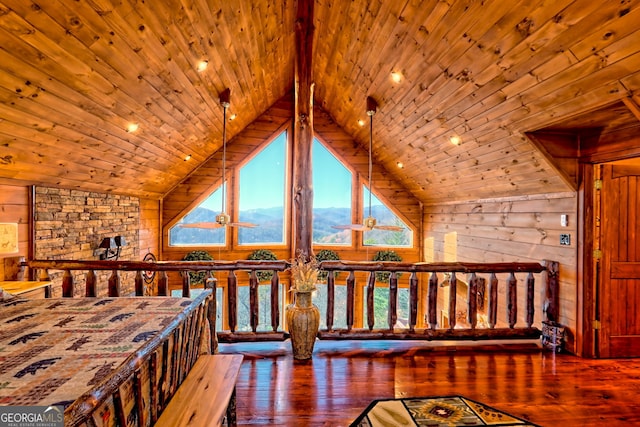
(70,224)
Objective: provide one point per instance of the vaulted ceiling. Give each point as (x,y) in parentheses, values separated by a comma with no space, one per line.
(75,73)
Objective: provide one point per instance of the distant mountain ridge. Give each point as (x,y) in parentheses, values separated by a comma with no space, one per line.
(270,226)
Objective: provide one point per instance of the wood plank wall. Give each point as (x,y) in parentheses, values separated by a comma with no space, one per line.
(14,208)
(149,232)
(512,229)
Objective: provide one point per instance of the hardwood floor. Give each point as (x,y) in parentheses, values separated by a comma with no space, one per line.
(343,377)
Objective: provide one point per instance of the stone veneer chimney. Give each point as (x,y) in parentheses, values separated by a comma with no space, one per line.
(70,224)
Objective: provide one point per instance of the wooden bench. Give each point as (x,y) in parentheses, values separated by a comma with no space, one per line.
(206,395)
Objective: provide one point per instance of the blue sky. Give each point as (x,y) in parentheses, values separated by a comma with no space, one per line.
(262,179)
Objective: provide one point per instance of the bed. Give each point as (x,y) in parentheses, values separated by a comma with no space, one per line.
(106,361)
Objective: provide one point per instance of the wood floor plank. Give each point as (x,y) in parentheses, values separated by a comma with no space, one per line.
(344,377)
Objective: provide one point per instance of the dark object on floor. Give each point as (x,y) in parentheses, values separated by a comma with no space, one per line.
(434,412)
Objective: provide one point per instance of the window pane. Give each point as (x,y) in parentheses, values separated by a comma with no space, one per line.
(384,216)
(202,216)
(262,195)
(331,197)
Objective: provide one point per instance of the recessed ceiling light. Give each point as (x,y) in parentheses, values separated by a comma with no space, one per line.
(361,122)
(233,117)
(132,127)
(455,140)
(186,159)
(396,76)
(400,165)
(202,65)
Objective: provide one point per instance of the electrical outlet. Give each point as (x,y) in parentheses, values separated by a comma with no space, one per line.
(565,239)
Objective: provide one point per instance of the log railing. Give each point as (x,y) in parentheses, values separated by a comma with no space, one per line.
(424,279)
(450,271)
(42,268)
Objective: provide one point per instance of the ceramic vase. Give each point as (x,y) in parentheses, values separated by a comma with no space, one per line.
(303,321)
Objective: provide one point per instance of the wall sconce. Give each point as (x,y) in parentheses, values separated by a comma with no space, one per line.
(112,247)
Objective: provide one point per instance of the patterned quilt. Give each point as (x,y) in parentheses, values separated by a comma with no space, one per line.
(54,350)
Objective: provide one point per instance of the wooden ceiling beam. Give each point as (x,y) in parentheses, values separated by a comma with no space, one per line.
(303,129)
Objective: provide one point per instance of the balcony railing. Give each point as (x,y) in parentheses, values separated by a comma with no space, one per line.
(510,284)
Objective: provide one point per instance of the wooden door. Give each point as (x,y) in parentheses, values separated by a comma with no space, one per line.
(619,334)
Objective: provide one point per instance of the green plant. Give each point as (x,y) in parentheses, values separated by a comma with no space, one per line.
(386,255)
(264,255)
(326,255)
(197,277)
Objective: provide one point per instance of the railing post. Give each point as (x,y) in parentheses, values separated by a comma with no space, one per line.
(91,287)
(212,314)
(432,307)
(253,301)
(413,301)
(275,301)
(531,281)
(453,288)
(163,284)
(67,284)
(512,300)
(330,299)
(43,276)
(492,312)
(393,300)
(371,285)
(351,285)
(139,284)
(186,284)
(472,301)
(232,286)
(551,304)
(114,284)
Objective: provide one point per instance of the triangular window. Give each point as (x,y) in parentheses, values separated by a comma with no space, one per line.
(384,216)
(195,228)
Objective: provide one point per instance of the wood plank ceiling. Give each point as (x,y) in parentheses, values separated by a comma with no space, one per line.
(74,73)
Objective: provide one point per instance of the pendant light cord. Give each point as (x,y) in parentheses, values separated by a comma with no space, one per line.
(371,113)
(224,153)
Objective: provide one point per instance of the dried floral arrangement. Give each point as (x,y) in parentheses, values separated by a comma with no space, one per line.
(304,273)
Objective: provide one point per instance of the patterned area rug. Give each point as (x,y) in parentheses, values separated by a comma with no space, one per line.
(445,411)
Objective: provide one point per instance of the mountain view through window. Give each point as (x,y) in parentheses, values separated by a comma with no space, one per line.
(262,197)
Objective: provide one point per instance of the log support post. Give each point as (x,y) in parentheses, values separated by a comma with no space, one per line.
(303,130)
